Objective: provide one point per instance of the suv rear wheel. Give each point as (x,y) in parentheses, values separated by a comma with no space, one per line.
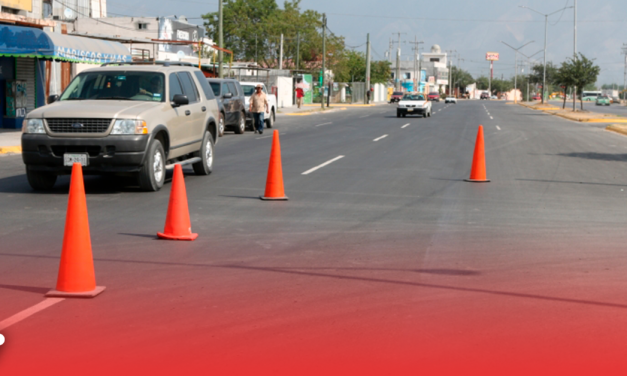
(221,125)
(40,180)
(152,174)
(205,166)
(241,127)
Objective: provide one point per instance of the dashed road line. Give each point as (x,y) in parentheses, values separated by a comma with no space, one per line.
(405,126)
(48,302)
(491,118)
(497,127)
(365,116)
(322,165)
(319,125)
(380,138)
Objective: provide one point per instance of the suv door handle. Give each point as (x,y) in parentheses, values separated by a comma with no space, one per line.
(204,108)
(187,113)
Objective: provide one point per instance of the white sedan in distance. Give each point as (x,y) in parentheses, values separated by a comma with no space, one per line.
(413,104)
(450,100)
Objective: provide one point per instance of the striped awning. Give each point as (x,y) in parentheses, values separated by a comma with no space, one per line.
(19,41)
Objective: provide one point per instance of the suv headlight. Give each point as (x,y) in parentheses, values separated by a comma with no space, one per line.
(126,126)
(401,105)
(33,126)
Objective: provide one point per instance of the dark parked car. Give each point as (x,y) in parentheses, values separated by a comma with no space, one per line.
(433,96)
(231,101)
(485,95)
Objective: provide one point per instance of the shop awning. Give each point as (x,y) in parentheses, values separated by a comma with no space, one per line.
(18,41)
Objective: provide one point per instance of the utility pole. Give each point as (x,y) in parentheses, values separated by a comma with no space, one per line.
(281,54)
(324,54)
(398,64)
(390,50)
(298,50)
(416,49)
(575,53)
(256,60)
(366,101)
(220,38)
(625,72)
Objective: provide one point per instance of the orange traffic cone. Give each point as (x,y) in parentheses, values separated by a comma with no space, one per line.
(274,181)
(76,269)
(477,172)
(177,223)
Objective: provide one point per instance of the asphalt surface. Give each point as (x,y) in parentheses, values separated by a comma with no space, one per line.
(382,262)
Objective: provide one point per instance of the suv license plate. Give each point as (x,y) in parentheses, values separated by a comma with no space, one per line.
(70,159)
(410,109)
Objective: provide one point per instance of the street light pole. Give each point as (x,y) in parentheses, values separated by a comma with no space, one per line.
(220,39)
(324,53)
(516,67)
(546,24)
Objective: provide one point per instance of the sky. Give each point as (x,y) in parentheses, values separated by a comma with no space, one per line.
(469,27)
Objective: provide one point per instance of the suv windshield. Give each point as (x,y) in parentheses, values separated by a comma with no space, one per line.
(119,85)
(397,93)
(249,90)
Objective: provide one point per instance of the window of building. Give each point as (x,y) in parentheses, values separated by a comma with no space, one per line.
(392,74)
(142,26)
(407,76)
(47,9)
(435,59)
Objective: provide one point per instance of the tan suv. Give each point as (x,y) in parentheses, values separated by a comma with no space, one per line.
(124,119)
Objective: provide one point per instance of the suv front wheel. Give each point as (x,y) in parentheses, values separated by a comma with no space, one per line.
(205,166)
(241,126)
(152,174)
(40,180)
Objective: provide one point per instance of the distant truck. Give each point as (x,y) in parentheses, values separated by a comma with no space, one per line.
(270,115)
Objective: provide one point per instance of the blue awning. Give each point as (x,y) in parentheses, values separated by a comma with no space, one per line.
(19,41)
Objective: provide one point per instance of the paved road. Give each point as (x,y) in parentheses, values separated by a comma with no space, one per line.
(382,262)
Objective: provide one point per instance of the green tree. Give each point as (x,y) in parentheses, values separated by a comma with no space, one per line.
(565,78)
(584,73)
(536,76)
(461,78)
(483,83)
(254,27)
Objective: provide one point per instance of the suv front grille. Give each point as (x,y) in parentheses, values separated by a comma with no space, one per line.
(78,125)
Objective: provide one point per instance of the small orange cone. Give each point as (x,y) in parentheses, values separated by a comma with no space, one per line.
(274,181)
(477,172)
(76,269)
(177,223)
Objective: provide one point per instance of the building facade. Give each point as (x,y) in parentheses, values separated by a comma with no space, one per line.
(428,73)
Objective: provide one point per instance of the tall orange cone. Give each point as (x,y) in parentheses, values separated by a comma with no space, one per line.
(477,172)
(274,181)
(177,223)
(76,269)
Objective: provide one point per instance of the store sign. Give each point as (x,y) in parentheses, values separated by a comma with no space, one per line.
(492,56)
(18,4)
(431,79)
(89,56)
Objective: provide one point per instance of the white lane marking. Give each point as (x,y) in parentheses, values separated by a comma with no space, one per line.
(259,138)
(491,118)
(364,116)
(439,110)
(497,127)
(322,165)
(48,302)
(405,126)
(319,125)
(380,138)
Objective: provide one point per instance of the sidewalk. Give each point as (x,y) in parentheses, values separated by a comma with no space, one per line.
(10,141)
(310,109)
(583,117)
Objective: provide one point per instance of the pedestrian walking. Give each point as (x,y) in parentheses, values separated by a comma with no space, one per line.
(368,97)
(299,96)
(258,106)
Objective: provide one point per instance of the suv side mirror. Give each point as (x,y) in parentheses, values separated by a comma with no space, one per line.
(53,98)
(180,100)
(228,95)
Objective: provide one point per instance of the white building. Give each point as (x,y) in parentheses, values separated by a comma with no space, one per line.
(428,73)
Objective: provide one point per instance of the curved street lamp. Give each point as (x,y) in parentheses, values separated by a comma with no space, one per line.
(546,21)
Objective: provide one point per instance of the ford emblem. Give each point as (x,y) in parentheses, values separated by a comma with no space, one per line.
(77,125)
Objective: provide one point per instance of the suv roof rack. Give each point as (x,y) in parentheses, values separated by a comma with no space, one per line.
(164,63)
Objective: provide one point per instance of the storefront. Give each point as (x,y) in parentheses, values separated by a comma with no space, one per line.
(23,52)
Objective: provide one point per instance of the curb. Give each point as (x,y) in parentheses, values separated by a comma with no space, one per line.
(598,120)
(617,128)
(11,150)
(317,111)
